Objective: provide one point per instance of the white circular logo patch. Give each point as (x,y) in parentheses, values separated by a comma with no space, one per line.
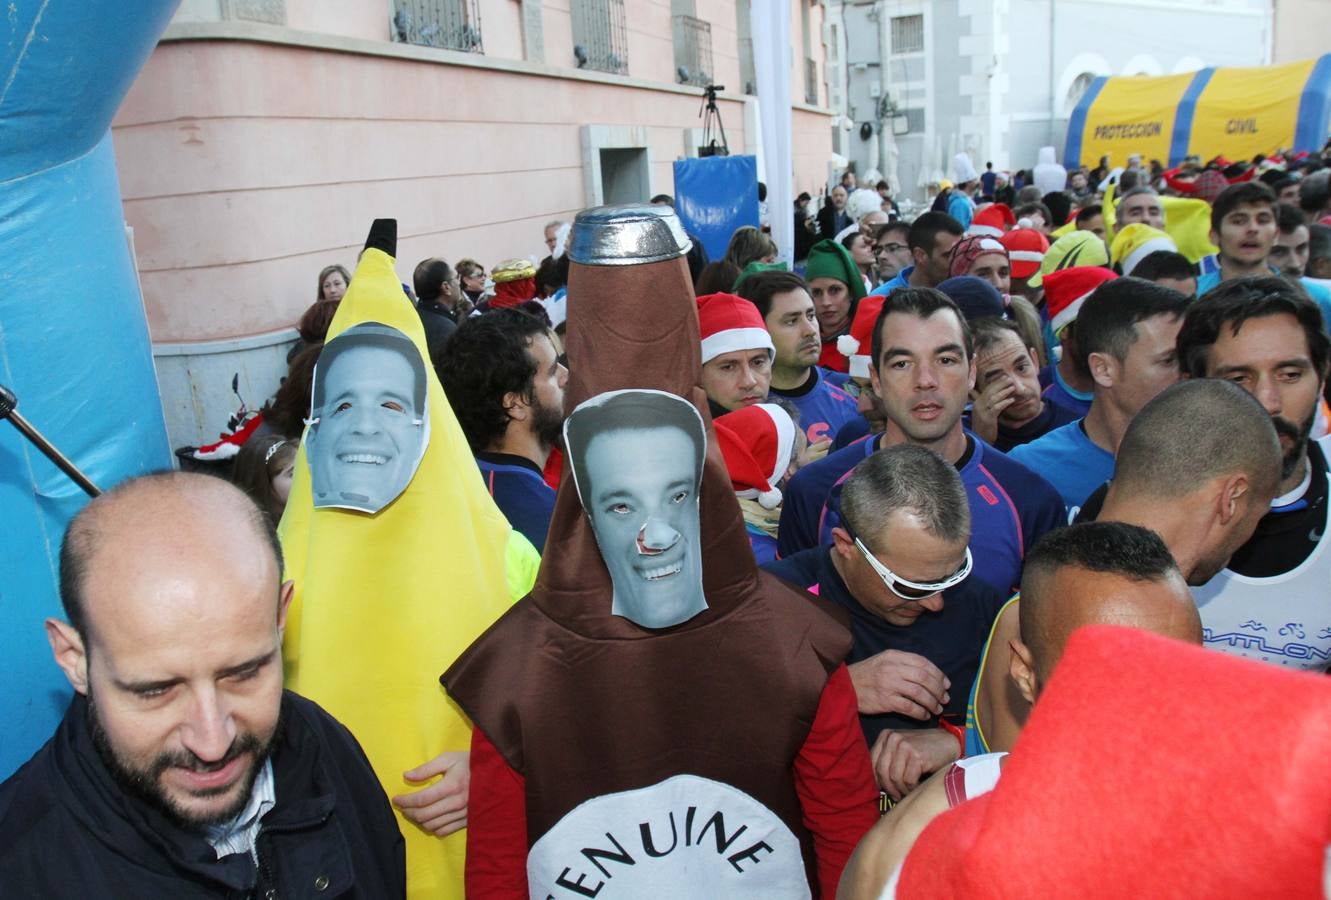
(683,837)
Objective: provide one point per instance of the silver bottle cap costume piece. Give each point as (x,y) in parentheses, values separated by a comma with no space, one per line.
(627,235)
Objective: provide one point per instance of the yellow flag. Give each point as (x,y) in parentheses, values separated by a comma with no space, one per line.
(385,602)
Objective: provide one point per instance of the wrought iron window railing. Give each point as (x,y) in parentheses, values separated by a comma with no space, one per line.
(693,51)
(600,36)
(448,24)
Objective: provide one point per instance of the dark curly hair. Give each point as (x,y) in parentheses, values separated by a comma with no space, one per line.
(314,322)
(290,407)
(485,360)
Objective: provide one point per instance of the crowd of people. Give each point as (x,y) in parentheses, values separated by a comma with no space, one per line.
(821,547)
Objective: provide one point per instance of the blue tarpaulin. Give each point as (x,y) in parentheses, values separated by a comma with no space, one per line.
(74,343)
(714,195)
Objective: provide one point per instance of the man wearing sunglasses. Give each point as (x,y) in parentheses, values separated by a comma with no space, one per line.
(898,566)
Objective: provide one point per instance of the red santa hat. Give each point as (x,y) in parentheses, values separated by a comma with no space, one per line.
(994,220)
(1065,290)
(856,345)
(1183,803)
(727,323)
(757,443)
(1026,248)
(229,445)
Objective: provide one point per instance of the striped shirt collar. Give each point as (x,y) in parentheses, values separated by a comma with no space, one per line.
(239,835)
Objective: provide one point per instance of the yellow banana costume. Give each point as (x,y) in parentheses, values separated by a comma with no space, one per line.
(1187,221)
(384,602)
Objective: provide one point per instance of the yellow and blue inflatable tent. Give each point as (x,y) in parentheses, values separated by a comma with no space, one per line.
(1234,112)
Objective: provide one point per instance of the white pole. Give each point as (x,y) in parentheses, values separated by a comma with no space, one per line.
(770,23)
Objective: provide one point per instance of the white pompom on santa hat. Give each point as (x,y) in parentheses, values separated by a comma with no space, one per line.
(757,443)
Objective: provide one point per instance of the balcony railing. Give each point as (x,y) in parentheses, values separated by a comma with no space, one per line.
(693,51)
(447,24)
(600,36)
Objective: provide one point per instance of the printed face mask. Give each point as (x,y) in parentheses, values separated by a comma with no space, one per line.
(637,462)
(369,425)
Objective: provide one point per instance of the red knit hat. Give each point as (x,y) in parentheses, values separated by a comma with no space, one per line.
(1026,248)
(1065,290)
(1107,794)
(515,283)
(757,443)
(856,345)
(994,220)
(728,323)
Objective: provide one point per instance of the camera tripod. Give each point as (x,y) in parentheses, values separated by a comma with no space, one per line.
(712,126)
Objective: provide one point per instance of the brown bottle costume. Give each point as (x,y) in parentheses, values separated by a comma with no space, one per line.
(581,703)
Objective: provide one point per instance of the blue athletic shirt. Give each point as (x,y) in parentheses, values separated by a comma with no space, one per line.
(1070,460)
(975,740)
(901,280)
(951,638)
(823,406)
(1011,506)
(520,492)
(1059,394)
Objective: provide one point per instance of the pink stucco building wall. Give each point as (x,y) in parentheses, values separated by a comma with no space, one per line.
(253,153)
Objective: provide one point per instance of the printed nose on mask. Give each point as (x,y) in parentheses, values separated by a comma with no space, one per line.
(656,537)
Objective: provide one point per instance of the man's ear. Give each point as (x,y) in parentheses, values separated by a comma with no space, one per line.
(970,376)
(284,595)
(70,654)
(1104,368)
(1235,495)
(919,256)
(842,543)
(1022,670)
(516,406)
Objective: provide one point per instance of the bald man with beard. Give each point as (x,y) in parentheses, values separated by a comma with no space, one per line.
(1199,466)
(182,768)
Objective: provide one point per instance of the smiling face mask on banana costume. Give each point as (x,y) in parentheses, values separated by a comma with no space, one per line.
(401,564)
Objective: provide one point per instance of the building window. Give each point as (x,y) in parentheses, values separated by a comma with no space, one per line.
(693,51)
(914,120)
(747,74)
(907,34)
(447,24)
(600,36)
(811,82)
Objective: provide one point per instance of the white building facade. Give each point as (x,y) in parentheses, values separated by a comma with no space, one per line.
(917,81)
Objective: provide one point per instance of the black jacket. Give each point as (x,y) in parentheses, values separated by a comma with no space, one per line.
(439,326)
(68,830)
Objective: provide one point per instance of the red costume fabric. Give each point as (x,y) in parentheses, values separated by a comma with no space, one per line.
(1227,793)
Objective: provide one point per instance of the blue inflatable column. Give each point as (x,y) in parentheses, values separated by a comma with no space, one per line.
(74,341)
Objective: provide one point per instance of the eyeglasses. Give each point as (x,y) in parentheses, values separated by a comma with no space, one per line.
(914,590)
(857,388)
(889,248)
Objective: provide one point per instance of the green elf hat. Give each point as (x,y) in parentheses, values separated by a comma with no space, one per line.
(828,259)
(755,267)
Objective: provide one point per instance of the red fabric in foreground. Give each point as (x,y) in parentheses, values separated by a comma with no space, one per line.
(1218,787)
